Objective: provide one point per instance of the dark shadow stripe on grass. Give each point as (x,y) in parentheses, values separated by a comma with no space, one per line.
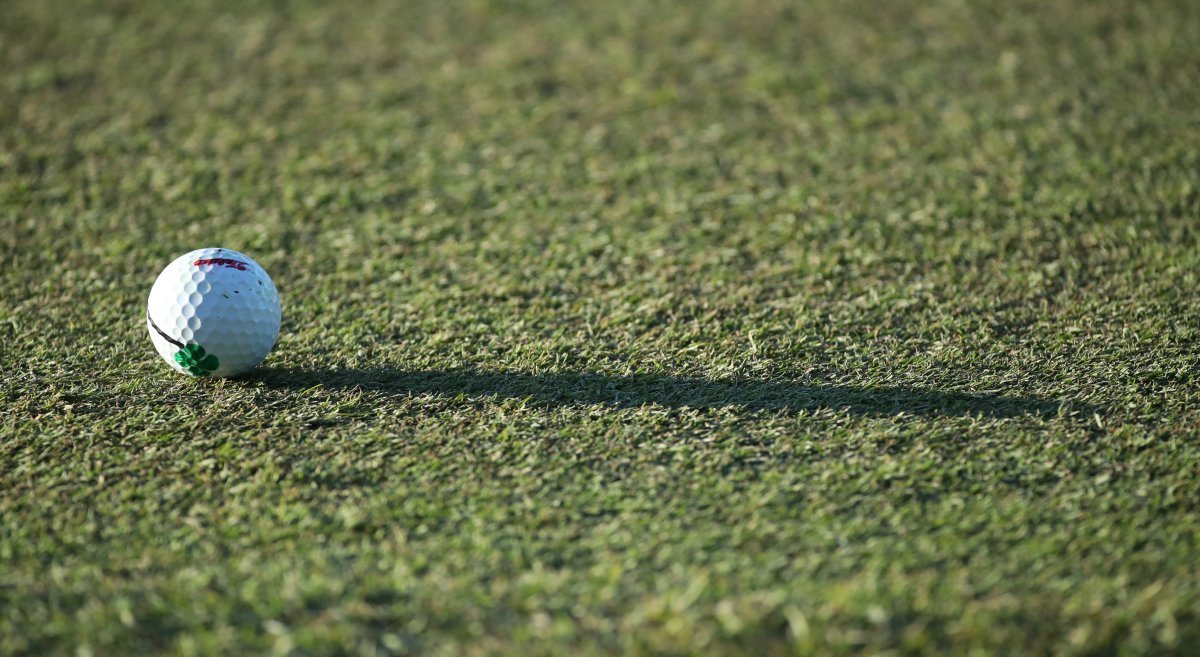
(633,391)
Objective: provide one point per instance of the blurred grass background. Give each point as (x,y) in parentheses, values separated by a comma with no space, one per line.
(610,328)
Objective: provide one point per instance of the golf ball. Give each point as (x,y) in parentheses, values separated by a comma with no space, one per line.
(213,312)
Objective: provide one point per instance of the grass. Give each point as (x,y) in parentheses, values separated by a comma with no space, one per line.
(640,328)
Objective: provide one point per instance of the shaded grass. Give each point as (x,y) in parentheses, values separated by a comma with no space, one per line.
(644,390)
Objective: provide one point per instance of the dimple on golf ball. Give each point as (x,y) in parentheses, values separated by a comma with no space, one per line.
(213,312)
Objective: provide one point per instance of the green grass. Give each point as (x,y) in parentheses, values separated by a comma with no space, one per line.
(637,328)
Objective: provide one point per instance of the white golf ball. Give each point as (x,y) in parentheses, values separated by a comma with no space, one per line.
(213,312)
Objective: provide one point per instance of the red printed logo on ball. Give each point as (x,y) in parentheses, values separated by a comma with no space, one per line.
(222,262)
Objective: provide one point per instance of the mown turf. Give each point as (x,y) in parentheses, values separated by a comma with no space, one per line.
(721,327)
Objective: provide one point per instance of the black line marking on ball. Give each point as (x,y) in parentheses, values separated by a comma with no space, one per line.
(159,331)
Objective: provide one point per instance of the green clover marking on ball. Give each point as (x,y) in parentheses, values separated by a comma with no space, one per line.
(194,359)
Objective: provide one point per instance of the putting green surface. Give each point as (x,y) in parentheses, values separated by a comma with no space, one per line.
(610,328)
